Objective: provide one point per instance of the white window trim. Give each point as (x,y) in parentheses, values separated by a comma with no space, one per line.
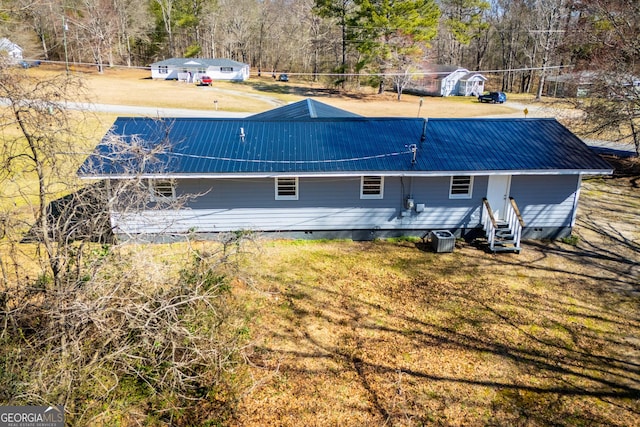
(155,196)
(380,194)
(466,195)
(288,197)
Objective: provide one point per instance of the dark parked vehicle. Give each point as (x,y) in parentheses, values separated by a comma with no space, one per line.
(29,64)
(283,77)
(493,97)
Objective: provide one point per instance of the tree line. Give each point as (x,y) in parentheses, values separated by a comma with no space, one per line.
(517,43)
(311,36)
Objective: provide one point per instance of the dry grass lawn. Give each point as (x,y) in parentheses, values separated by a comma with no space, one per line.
(134,87)
(389,333)
(384,333)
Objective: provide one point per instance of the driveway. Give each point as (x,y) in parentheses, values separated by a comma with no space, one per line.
(131,110)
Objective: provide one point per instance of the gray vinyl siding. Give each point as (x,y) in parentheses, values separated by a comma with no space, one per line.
(546,201)
(323,204)
(441,211)
(335,204)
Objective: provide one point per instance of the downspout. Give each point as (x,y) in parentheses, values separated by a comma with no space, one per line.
(574,210)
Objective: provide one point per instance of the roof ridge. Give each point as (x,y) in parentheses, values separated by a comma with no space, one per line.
(312,108)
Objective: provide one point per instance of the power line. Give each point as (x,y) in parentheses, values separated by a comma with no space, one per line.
(413,73)
(297,162)
(433,73)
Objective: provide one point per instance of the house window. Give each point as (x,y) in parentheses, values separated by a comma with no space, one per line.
(163,69)
(286,188)
(371,187)
(461,187)
(226,69)
(162,190)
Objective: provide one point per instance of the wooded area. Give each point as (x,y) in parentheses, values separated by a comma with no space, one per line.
(521,39)
(517,44)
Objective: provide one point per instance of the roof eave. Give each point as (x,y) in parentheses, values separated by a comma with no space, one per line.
(405,173)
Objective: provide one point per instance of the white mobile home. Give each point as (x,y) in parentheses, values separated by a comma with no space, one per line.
(190,69)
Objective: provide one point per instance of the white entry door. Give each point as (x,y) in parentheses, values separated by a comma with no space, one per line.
(498,194)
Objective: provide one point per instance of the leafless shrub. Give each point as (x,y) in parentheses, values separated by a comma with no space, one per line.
(107,330)
(174,344)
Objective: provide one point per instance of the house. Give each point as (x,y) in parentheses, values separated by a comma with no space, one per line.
(444,80)
(589,83)
(570,85)
(471,84)
(190,69)
(13,51)
(323,172)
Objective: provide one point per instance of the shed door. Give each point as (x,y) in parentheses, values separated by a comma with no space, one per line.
(498,194)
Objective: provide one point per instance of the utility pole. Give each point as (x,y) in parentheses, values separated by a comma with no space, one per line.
(64,41)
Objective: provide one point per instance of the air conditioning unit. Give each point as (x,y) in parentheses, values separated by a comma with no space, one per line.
(442,241)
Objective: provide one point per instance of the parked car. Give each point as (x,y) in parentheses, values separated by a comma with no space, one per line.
(493,97)
(204,81)
(283,77)
(29,64)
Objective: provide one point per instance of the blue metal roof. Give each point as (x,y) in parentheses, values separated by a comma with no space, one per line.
(215,146)
(207,147)
(305,109)
(506,145)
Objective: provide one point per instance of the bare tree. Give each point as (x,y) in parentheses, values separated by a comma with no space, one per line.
(83,322)
(98,23)
(134,23)
(546,31)
(603,38)
(41,17)
(36,109)
(462,22)
(237,22)
(167,11)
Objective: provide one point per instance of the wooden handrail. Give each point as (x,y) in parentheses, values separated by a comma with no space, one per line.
(490,212)
(517,211)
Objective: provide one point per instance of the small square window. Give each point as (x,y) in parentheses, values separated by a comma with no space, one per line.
(286,188)
(371,187)
(461,187)
(162,190)
(163,69)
